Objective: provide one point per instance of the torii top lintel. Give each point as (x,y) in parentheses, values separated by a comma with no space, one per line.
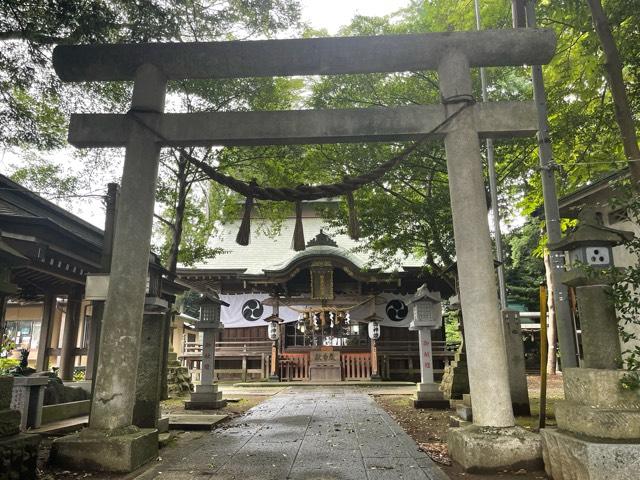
(314,56)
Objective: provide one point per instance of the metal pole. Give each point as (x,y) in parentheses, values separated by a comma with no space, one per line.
(566,330)
(493,187)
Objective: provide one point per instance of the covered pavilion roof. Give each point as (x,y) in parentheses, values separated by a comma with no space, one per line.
(270,258)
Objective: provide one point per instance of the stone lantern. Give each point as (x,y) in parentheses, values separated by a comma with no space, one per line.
(427,316)
(206,395)
(598,421)
(589,249)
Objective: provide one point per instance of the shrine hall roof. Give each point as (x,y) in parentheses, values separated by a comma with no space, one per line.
(266,253)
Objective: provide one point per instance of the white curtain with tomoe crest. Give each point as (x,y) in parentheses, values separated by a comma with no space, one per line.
(249,310)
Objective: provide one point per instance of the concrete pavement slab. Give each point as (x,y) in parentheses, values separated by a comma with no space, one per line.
(302,434)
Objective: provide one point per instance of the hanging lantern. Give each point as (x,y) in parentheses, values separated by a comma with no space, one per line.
(374,330)
(272,327)
(273,331)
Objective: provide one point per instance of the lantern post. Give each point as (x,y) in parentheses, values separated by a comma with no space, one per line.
(273,331)
(374,334)
(206,395)
(427,315)
(598,420)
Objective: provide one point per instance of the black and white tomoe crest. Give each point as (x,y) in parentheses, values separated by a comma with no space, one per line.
(397,310)
(252,310)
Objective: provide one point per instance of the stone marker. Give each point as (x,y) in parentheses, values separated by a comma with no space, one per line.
(515,357)
(28,399)
(18,451)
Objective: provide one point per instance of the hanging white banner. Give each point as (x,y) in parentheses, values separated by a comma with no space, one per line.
(248,310)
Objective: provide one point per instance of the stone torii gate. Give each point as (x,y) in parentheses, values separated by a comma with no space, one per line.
(115,443)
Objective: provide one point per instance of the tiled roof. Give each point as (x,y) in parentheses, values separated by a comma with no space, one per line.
(21,202)
(266,252)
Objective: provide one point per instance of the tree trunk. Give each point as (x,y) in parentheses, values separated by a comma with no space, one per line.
(613,69)
(552,335)
(176,238)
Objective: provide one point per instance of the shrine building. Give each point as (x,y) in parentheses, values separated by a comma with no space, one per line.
(324,300)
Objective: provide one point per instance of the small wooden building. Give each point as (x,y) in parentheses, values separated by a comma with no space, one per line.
(46,254)
(322,298)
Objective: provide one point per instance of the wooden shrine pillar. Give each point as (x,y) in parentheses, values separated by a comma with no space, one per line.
(70,335)
(44,342)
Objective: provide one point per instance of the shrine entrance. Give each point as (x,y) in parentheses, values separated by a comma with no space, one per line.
(145,129)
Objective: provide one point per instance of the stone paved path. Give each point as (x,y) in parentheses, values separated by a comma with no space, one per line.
(335,433)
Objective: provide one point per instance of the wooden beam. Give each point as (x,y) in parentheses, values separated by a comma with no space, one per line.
(496,119)
(309,56)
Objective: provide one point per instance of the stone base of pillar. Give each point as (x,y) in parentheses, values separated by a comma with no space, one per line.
(596,406)
(568,457)
(428,395)
(163,424)
(94,450)
(521,409)
(376,378)
(488,449)
(205,397)
(19,454)
(274,378)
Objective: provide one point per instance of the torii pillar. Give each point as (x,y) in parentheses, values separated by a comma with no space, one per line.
(112,442)
(477,447)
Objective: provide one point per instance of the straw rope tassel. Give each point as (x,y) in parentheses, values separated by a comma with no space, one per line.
(244,233)
(353,226)
(298,231)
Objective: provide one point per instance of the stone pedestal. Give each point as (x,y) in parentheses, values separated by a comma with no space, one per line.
(100,451)
(428,395)
(598,428)
(205,397)
(18,451)
(455,379)
(178,380)
(487,449)
(571,457)
(27,398)
(595,405)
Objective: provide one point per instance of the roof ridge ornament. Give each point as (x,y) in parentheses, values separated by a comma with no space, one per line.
(322,239)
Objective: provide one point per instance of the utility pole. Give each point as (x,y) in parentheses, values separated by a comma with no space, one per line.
(566,330)
(493,185)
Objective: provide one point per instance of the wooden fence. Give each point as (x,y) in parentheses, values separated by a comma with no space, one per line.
(294,366)
(356,366)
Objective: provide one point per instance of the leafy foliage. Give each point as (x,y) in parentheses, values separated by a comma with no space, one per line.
(32,112)
(626,292)
(524,268)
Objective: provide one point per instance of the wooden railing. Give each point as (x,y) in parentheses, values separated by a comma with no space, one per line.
(356,366)
(294,366)
(244,373)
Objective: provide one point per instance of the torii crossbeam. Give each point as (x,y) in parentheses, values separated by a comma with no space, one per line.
(452,54)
